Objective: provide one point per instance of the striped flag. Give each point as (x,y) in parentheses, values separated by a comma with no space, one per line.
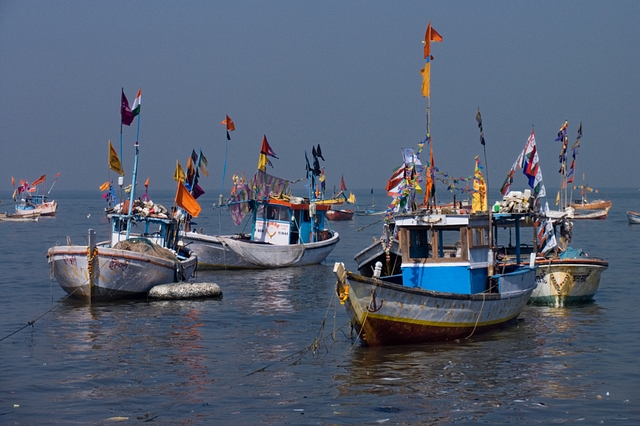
(135,109)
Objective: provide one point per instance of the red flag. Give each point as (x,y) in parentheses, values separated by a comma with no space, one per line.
(146,183)
(343,187)
(430,35)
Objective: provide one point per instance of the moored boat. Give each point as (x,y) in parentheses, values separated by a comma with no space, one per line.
(339,214)
(447,288)
(285,230)
(633,217)
(130,263)
(34,200)
(12,217)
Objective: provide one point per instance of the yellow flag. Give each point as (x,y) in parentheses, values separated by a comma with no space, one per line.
(479,198)
(179,175)
(352,198)
(558,198)
(105,186)
(114,161)
(426,79)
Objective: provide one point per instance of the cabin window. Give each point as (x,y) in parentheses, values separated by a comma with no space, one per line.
(450,244)
(479,237)
(420,243)
(434,244)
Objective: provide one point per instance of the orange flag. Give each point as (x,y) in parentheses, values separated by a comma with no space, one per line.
(146,182)
(429,36)
(186,201)
(229,122)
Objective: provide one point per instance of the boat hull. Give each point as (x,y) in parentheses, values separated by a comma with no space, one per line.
(339,214)
(593,205)
(48,208)
(561,282)
(31,217)
(590,214)
(235,252)
(384,313)
(112,274)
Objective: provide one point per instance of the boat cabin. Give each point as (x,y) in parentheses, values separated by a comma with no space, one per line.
(445,253)
(292,221)
(160,231)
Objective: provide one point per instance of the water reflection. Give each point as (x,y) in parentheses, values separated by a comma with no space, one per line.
(100,344)
(525,363)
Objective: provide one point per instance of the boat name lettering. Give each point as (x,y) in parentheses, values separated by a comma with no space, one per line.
(115,263)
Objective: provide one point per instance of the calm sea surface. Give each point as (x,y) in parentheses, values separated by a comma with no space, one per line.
(276,348)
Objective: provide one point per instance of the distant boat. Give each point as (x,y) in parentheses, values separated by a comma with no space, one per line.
(32,200)
(339,214)
(633,217)
(27,217)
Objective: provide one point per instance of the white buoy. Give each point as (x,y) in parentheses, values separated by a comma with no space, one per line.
(176,291)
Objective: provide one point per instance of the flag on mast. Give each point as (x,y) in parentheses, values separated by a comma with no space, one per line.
(135,109)
(125,112)
(430,35)
(114,160)
(230,126)
(265,151)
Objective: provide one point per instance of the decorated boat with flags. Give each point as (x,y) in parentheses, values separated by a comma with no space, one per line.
(336,213)
(449,284)
(565,275)
(142,251)
(286,230)
(33,198)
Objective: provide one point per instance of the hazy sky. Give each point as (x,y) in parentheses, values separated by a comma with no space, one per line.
(342,74)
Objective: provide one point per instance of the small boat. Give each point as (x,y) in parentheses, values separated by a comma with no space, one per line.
(12,217)
(590,214)
(339,214)
(285,230)
(591,205)
(447,288)
(37,204)
(633,217)
(33,201)
(143,251)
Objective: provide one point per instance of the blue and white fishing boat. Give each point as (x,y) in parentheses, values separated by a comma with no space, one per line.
(141,253)
(449,286)
(33,198)
(285,230)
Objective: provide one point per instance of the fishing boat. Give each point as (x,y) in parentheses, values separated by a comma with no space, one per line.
(633,217)
(371,211)
(590,214)
(565,275)
(286,230)
(143,251)
(449,285)
(12,217)
(447,288)
(34,200)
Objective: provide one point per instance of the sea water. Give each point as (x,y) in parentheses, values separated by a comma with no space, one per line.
(277,348)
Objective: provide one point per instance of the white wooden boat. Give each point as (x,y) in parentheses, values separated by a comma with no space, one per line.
(141,253)
(446,289)
(123,267)
(633,217)
(37,204)
(285,230)
(284,234)
(12,217)
(579,214)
